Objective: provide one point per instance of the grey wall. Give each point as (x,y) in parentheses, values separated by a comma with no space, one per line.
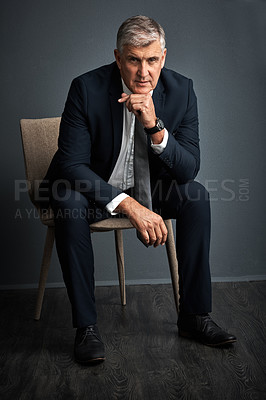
(219,44)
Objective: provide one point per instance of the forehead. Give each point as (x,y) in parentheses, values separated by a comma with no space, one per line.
(153,49)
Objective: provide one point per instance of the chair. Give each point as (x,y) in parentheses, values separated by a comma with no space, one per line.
(39,140)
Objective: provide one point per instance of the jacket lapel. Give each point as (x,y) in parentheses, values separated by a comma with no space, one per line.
(115,91)
(159,99)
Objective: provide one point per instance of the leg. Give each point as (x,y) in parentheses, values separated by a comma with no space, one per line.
(74,248)
(189,205)
(193,245)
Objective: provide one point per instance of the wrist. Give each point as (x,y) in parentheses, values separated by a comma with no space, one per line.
(151,124)
(125,205)
(157,138)
(158,127)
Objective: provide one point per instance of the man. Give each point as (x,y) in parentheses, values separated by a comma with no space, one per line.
(96,171)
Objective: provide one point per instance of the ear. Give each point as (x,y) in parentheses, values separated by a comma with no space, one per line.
(117,58)
(163,58)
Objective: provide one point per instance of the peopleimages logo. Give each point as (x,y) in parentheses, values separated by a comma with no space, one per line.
(226,190)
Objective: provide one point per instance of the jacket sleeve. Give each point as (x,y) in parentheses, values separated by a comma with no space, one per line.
(181,157)
(74,149)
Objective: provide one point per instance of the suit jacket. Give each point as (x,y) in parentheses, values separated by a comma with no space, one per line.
(91,133)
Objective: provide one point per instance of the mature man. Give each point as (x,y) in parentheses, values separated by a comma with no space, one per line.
(117,118)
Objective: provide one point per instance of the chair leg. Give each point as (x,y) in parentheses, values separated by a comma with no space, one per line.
(46,259)
(173,264)
(120,263)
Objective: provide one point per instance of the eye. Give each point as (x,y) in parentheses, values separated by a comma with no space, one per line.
(153,60)
(133,59)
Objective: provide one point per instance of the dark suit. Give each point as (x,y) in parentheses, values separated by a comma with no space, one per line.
(89,144)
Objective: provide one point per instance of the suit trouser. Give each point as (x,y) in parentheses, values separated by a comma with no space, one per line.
(188,204)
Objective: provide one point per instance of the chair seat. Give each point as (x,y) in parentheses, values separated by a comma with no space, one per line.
(108,224)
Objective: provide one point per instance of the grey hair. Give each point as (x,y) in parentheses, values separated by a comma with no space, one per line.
(139,31)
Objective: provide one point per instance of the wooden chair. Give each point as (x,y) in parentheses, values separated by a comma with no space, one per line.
(39,139)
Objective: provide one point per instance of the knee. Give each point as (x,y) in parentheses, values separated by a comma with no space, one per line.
(195,191)
(197,204)
(66,199)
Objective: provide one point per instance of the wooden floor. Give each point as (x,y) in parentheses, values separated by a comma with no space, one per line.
(145,357)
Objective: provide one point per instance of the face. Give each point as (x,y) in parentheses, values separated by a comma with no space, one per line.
(140,67)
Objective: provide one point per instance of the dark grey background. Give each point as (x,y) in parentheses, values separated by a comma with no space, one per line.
(219,44)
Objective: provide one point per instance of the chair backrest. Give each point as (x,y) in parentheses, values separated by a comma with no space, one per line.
(39,140)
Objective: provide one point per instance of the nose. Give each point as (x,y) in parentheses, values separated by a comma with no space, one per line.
(143,71)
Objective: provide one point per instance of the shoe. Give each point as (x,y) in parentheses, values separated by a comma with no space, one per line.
(203,329)
(88,345)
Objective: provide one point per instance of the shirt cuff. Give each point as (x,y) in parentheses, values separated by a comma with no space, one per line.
(110,207)
(159,148)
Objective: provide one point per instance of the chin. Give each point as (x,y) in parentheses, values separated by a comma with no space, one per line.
(141,90)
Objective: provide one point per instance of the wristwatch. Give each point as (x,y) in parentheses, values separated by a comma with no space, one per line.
(157,128)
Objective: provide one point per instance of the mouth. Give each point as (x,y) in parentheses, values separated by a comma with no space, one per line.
(142,83)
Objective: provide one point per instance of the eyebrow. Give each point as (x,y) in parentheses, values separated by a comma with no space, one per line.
(145,58)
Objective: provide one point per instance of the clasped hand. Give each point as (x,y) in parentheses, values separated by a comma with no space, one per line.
(141,105)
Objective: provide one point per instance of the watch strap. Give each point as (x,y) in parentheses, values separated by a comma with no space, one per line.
(157,128)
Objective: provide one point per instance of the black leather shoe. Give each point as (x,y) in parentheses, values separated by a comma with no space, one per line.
(88,345)
(203,329)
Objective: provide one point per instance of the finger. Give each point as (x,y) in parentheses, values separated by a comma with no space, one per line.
(124,97)
(152,237)
(145,238)
(164,233)
(148,234)
(160,232)
(154,233)
(135,108)
(128,104)
(159,236)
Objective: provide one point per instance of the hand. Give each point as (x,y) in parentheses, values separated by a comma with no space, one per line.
(143,108)
(150,225)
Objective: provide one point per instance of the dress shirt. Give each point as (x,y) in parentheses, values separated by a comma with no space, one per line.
(122,176)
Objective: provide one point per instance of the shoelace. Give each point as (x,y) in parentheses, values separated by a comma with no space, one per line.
(207,320)
(90,330)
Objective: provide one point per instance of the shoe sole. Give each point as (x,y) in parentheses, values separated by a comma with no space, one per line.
(189,336)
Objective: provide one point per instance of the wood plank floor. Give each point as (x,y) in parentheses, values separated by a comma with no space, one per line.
(145,357)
